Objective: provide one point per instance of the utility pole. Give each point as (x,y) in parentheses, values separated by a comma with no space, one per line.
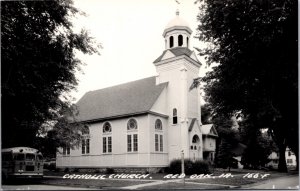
(182,167)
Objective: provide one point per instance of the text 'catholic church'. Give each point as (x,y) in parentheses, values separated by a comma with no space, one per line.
(148,122)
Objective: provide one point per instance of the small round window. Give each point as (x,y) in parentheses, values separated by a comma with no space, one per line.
(132,124)
(106,127)
(158,124)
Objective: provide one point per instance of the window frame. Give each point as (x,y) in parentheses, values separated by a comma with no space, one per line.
(85,146)
(180,40)
(107,138)
(171,42)
(132,136)
(66,150)
(175,118)
(158,122)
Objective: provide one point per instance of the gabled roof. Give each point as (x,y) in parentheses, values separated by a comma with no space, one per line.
(126,99)
(178,51)
(209,129)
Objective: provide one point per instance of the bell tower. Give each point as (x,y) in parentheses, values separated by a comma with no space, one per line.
(177,33)
(179,66)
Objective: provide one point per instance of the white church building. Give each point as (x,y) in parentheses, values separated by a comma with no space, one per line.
(148,122)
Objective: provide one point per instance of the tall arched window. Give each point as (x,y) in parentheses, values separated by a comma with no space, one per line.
(132,136)
(107,138)
(171,41)
(85,143)
(158,139)
(174,116)
(187,42)
(180,40)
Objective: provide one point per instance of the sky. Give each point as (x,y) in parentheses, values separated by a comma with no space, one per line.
(130,32)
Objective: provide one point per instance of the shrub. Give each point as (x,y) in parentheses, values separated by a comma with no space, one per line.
(46,166)
(200,167)
(109,171)
(52,166)
(67,170)
(190,167)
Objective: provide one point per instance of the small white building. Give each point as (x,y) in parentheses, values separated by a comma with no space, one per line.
(148,122)
(209,136)
(289,156)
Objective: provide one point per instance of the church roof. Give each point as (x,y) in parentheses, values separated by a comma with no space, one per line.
(178,51)
(126,99)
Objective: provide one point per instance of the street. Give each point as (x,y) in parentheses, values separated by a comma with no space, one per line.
(287,182)
(54,183)
(41,187)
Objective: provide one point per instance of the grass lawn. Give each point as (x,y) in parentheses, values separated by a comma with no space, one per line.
(179,185)
(238,178)
(100,184)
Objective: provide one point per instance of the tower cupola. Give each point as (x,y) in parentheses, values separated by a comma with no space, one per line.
(177,33)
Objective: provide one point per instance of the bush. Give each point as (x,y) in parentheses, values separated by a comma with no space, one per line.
(67,170)
(190,167)
(200,167)
(52,166)
(109,171)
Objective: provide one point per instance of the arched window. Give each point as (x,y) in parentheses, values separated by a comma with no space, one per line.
(85,130)
(158,140)
(195,139)
(107,138)
(132,136)
(85,142)
(106,127)
(174,116)
(132,124)
(171,41)
(158,124)
(180,40)
(187,42)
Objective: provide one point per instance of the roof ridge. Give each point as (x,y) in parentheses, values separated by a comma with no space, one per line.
(121,84)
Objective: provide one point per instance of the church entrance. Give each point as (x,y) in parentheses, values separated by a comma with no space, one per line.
(195,148)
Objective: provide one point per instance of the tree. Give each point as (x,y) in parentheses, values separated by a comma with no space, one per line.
(255,44)
(259,146)
(65,132)
(206,114)
(226,142)
(38,65)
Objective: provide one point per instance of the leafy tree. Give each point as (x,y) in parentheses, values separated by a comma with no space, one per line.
(255,44)
(259,146)
(226,142)
(65,132)
(206,114)
(38,65)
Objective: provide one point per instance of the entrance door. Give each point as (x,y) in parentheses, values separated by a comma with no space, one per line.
(195,148)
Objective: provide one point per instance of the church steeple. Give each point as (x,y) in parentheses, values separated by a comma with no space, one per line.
(177,33)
